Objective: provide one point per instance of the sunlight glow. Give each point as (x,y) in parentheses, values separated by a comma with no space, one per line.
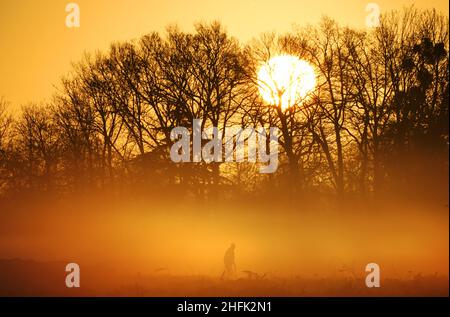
(285,80)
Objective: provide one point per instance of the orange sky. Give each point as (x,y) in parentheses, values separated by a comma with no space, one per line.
(36,47)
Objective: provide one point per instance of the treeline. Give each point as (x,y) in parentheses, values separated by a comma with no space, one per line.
(376,123)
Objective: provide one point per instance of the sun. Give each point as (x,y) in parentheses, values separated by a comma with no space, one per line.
(285,80)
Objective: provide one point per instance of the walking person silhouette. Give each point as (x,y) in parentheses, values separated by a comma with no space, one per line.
(230,265)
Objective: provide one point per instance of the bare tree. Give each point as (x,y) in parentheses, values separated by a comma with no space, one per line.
(38,146)
(6,124)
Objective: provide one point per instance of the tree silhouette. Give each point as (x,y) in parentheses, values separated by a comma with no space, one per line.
(377,121)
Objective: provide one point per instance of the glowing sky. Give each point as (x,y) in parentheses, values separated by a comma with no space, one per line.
(37,48)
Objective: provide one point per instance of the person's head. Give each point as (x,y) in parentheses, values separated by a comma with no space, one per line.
(233,246)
